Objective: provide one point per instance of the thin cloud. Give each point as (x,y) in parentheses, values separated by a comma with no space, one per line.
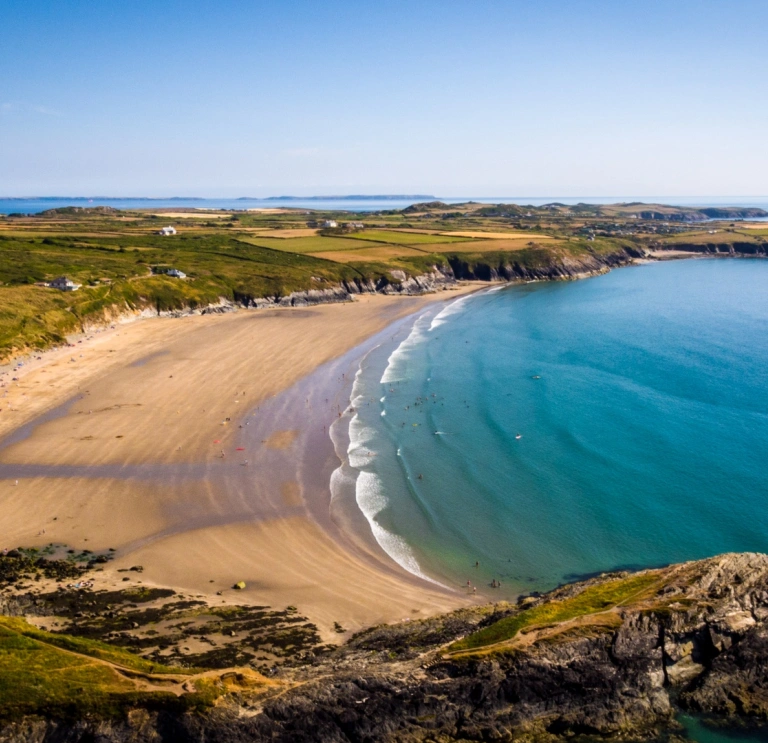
(304,151)
(14,107)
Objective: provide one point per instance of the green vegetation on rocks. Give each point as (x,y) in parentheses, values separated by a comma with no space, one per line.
(592,600)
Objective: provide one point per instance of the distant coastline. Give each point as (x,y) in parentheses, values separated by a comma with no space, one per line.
(352,197)
(359,203)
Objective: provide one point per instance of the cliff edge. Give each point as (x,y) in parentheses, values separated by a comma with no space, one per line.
(614,657)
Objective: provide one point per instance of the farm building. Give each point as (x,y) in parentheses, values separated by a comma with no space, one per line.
(64,284)
(176,273)
(167,231)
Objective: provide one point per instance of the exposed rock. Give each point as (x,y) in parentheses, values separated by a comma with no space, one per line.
(695,635)
(735,248)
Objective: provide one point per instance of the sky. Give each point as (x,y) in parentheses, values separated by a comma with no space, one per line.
(482,98)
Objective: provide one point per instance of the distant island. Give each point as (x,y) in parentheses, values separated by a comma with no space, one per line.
(351,197)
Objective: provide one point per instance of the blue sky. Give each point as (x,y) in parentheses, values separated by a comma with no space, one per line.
(479,98)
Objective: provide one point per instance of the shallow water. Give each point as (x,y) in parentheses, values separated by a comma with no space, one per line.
(697,730)
(640,401)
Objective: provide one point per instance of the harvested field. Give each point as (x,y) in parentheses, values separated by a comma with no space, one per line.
(405,238)
(191,215)
(478,234)
(488,246)
(719,238)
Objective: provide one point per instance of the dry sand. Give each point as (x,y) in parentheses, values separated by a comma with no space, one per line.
(132,459)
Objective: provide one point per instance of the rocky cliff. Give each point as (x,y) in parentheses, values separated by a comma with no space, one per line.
(550,266)
(734,248)
(613,657)
(555,267)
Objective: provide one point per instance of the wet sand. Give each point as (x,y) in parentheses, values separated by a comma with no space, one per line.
(182,444)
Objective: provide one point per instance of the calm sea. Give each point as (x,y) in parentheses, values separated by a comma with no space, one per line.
(35,205)
(552,430)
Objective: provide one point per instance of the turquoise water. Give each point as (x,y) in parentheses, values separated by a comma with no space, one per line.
(697,730)
(644,439)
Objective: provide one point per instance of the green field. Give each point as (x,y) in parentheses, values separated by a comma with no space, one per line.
(306,245)
(118,257)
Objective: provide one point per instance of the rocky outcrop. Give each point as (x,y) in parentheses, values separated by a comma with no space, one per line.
(735,248)
(693,636)
(680,214)
(399,283)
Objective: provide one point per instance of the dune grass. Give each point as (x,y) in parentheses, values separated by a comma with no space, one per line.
(591,600)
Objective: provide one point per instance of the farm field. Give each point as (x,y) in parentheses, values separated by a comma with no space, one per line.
(120,260)
(191,215)
(721,237)
(287,234)
(307,245)
(480,235)
(373,254)
(406,238)
(487,246)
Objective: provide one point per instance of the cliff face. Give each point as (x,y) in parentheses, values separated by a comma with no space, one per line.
(440,277)
(555,268)
(735,248)
(613,656)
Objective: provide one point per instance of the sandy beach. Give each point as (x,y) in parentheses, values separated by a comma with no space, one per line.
(148,438)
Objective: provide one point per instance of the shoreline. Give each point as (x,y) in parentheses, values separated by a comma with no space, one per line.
(129,461)
(127,447)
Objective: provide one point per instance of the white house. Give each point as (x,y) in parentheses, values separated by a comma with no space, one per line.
(176,273)
(167,231)
(355,226)
(330,223)
(64,284)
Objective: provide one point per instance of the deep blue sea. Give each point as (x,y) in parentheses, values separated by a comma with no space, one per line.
(553,430)
(39,204)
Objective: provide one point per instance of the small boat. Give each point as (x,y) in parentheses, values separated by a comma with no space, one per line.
(535,376)
(519,436)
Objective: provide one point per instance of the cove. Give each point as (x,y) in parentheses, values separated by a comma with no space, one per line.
(535,434)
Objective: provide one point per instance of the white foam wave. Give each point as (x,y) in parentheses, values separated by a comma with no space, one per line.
(369,493)
(371,501)
(397,364)
(452,309)
(341,479)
